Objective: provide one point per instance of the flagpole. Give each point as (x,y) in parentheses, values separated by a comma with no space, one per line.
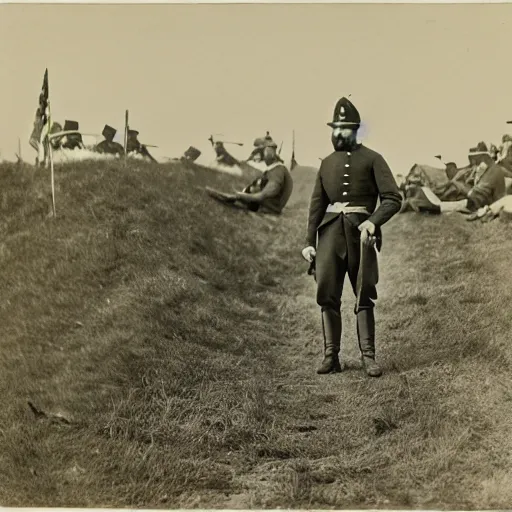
(126,133)
(50,155)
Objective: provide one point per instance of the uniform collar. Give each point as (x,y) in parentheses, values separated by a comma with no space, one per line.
(356,147)
(271,166)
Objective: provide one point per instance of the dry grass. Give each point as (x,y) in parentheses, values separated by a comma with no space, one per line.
(179,339)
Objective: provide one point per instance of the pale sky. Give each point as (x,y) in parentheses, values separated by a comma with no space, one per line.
(427,79)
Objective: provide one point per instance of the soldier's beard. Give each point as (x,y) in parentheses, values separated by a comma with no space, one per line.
(342,144)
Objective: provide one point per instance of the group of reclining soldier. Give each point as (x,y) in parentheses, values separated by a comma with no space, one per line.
(468,190)
(74,141)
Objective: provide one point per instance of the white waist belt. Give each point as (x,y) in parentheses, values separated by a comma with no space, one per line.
(343,208)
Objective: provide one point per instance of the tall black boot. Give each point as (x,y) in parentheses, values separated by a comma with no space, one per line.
(366,337)
(331,325)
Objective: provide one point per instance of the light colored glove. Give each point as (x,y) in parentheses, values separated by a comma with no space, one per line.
(367,229)
(367,226)
(309,253)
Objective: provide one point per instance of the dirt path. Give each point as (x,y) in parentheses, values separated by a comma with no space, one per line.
(418,436)
(322,409)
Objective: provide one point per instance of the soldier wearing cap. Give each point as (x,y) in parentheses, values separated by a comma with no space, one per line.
(259,147)
(487,179)
(134,146)
(108,145)
(275,186)
(268,194)
(257,152)
(342,217)
(221,154)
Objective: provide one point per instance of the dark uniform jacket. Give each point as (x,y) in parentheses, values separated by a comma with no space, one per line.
(360,178)
(110,147)
(133,145)
(489,188)
(279,181)
(73,141)
(272,191)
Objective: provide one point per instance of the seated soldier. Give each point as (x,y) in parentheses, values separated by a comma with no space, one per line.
(480,185)
(134,146)
(456,188)
(268,194)
(503,152)
(108,145)
(268,140)
(222,156)
(259,147)
(459,185)
(488,185)
(257,152)
(72,140)
(493,150)
(451,170)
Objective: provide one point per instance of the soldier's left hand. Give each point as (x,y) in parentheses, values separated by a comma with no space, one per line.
(367,229)
(367,226)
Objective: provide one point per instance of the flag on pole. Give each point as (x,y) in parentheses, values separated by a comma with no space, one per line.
(41,122)
(39,139)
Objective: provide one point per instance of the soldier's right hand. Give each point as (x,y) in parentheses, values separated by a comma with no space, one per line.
(308,253)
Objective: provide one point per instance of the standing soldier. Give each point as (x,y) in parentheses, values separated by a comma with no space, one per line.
(342,217)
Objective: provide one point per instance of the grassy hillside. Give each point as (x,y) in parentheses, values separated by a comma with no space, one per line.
(170,344)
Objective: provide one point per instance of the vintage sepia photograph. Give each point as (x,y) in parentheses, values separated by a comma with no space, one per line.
(256,256)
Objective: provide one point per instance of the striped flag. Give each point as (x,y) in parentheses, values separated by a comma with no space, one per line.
(42,120)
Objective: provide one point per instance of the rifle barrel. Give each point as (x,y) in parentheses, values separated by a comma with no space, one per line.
(69,132)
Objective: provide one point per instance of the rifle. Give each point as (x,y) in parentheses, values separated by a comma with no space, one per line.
(211,139)
(70,132)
